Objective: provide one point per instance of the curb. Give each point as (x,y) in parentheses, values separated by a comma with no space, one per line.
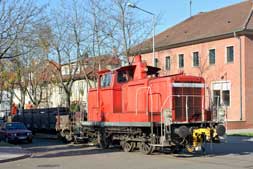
(236,131)
(16,158)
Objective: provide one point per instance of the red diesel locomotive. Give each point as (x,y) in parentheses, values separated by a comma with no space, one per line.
(134,107)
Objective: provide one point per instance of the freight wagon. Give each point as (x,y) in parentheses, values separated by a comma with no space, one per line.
(40,120)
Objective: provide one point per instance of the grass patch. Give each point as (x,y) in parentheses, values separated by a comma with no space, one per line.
(242,134)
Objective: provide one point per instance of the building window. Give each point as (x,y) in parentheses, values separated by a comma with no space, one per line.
(211,56)
(156,62)
(195,59)
(216,98)
(167,63)
(230,54)
(181,60)
(221,93)
(65,70)
(221,97)
(226,97)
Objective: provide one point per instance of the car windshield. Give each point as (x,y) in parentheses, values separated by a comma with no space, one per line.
(15,126)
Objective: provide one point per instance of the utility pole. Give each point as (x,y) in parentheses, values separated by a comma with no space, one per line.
(190,8)
(153,23)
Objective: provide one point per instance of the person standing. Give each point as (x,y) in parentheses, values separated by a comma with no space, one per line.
(29,105)
(13,109)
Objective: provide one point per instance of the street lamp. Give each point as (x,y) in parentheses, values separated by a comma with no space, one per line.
(153,22)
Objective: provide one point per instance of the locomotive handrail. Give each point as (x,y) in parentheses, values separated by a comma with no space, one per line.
(147,103)
(136,99)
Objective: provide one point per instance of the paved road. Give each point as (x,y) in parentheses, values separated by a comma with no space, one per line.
(50,153)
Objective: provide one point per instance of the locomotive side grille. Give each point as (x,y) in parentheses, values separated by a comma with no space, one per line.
(187,99)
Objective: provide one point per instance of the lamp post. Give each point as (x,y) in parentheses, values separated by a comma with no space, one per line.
(153,22)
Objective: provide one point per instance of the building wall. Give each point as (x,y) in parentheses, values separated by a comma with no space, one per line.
(4,103)
(249,80)
(220,72)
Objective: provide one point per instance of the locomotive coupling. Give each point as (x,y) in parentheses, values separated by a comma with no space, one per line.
(200,135)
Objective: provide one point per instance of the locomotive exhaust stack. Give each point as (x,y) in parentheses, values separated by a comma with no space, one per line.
(135,107)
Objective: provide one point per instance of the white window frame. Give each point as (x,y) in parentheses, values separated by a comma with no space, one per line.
(193,58)
(230,90)
(155,62)
(178,61)
(209,56)
(166,62)
(226,61)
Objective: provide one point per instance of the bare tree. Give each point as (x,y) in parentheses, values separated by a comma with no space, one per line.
(7,80)
(130,30)
(37,81)
(27,49)
(77,29)
(203,66)
(16,17)
(68,45)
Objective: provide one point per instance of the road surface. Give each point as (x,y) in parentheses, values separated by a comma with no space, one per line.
(51,153)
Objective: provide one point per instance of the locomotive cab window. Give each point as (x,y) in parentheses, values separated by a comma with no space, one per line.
(105,80)
(124,76)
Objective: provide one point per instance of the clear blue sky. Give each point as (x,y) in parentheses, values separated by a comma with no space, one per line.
(175,11)
(171,11)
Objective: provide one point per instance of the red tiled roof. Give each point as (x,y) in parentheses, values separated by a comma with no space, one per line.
(103,59)
(204,25)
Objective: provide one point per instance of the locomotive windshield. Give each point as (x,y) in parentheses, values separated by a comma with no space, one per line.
(106,80)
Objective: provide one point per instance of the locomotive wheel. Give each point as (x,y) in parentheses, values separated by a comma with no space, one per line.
(128,146)
(146,148)
(68,137)
(133,144)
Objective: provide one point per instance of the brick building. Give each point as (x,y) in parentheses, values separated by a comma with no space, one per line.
(217,45)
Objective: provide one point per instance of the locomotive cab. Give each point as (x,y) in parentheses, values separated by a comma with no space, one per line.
(116,90)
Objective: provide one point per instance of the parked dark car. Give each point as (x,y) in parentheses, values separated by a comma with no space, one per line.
(14,132)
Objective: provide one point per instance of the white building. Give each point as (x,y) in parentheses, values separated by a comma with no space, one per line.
(4,103)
